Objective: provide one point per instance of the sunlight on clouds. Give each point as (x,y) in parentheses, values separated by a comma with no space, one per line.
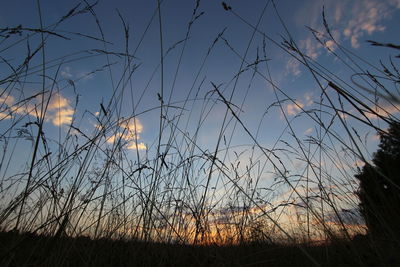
(330,45)
(384,111)
(308,131)
(294,108)
(310,46)
(367,17)
(293,67)
(343,115)
(59,111)
(7,100)
(357,19)
(376,137)
(62,116)
(57,102)
(129,132)
(5,116)
(140,146)
(358,163)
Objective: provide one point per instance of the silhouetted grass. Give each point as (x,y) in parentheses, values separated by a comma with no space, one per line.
(49,251)
(94,195)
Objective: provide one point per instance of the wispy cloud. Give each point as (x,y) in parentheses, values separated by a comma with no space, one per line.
(367,19)
(7,100)
(66,73)
(310,47)
(293,67)
(308,131)
(356,19)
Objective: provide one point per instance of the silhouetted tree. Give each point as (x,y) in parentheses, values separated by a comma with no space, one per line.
(379,190)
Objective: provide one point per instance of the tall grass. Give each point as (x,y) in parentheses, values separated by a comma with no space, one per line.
(86,180)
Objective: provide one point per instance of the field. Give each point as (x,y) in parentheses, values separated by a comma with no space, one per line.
(199,133)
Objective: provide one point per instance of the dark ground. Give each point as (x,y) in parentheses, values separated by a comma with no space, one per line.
(32,250)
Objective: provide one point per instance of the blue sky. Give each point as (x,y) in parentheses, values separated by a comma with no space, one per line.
(352,23)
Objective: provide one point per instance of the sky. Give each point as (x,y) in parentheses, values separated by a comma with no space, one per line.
(91,82)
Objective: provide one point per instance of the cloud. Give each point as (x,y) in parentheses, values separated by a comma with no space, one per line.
(59,111)
(355,19)
(140,146)
(308,99)
(330,45)
(5,103)
(343,115)
(308,131)
(395,3)
(66,73)
(310,47)
(367,19)
(5,116)
(358,163)
(128,131)
(7,100)
(294,108)
(293,67)
(376,137)
(383,110)
(62,116)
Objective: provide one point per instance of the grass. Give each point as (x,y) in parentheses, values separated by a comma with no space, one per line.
(82,251)
(92,193)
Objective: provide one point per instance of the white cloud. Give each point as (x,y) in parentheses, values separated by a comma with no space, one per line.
(294,108)
(308,131)
(62,116)
(366,18)
(293,67)
(330,45)
(128,131)
(343,115)
(308,99)
(140,146)
(59,111)
(356,20)
(358,163)
(58,102)
(310,47)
